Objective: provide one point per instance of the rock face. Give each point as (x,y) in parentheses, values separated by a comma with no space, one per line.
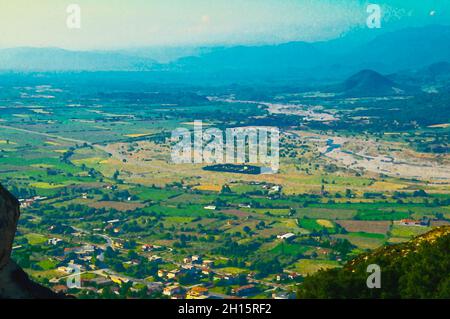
(9,215)
(14,282)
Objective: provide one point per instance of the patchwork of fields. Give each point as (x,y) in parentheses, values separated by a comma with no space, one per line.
(100,174)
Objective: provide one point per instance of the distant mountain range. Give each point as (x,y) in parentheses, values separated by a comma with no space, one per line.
(387,53)
(406,49)
(434,76)
(54,59)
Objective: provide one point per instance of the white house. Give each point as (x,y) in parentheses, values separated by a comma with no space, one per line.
(287,236)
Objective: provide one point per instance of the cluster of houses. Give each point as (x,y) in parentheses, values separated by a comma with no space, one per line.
(424,222)
(78,260)
(175,274)
(192,266)
(273,188)
(197,266)
(289,275)
(83,256)
(25,203)
(178,292)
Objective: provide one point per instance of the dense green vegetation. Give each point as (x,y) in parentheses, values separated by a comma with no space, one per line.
(415,269)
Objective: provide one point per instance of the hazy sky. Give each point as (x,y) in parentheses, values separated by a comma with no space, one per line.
(108,24)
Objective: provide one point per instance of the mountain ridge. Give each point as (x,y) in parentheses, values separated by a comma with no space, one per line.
(336,58)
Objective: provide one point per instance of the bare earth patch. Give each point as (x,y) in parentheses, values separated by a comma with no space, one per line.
(376,227)
(122,206)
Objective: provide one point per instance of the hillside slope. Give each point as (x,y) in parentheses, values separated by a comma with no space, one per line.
(419,268)
(369,83)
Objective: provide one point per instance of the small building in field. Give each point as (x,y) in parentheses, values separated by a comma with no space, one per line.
(147,247)
(283,295)
(119,280)
(411,222)
(206,271)
(155,259)
(60,289)
(118,243)
(173,274)
(196,259)
(286,237)
(54,241)
(172,290)
(208,263)
(244,290)
(281,277)
(66,270)
(197,292)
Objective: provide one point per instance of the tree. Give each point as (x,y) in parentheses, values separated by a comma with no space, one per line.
(226,189)
(349,193)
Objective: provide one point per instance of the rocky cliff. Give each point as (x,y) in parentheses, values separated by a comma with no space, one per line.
(14,282)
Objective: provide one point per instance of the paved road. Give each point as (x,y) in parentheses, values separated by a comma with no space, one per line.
(67,139)
(46,134)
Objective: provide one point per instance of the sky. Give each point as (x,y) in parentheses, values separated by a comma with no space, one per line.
(114,24)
